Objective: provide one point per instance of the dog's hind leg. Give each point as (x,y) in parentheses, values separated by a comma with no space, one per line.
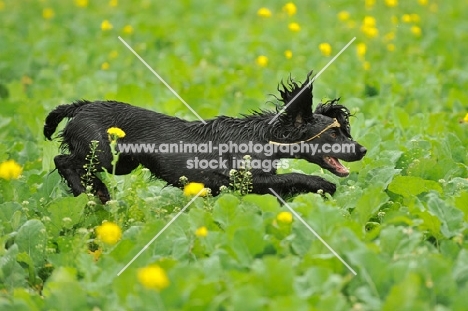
(292,183)
(71,170)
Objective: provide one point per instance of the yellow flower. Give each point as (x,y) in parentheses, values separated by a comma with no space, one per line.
(113,3)
(201,232)
(368,27)
(2,5)
(115,131)
(105,66)
(284,217)
(465,119)
(288,54)
(264,12)
(109,233)
(294,27)
(366,65)
(290,8)
(369,4)
(361,49)
(369,21)
(81,3)
(370,32)
(128,29)
(325,49)
(10,170)
(391,3)
(406,18)
(262,61)
(153,277)
(394,19)
(48,13)
(343,15)
(415,18)
(391,47)
(106,25)
(195,188)
(422,2)
(433,7)
(416,30)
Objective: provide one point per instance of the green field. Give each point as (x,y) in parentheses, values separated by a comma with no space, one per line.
(400,220)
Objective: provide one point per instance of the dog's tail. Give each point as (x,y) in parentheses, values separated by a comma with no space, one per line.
(58,114)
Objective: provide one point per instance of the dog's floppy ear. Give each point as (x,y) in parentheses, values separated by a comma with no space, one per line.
(297,101)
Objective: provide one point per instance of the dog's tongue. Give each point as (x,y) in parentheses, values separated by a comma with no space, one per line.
(339,168)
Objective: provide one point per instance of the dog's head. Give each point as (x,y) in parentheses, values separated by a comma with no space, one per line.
(326,131)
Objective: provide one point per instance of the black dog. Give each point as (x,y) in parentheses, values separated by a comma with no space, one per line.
(296,127)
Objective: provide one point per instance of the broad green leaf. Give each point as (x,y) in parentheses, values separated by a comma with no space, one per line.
(226,209)
(266,202)
(369,203)
(66,212)
(32,239)
(451,218)
(408,186)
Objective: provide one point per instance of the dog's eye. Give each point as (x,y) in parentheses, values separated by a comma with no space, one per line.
(333,134)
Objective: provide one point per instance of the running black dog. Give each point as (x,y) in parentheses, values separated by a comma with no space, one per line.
(322,137)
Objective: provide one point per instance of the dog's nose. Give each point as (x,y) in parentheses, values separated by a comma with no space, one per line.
(363,150)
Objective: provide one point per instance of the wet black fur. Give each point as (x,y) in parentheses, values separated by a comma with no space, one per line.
(90,121)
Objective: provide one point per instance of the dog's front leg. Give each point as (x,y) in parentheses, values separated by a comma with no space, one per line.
(292,183)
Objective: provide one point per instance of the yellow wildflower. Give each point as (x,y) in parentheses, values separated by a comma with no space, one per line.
(294,27)
(2,5)
(106,25)
(369,21)
(113,3)
(264,12)
(325,49)
(406,18)
(10,170)
(361,49)
(391,3)
(195,188)
(290,8)
(109,233)
(422,2)
(81,3)
(115,131)
(343,15)
(433,7)
(366,65)
(284,217)
(262,61)
(105,66)
(368,27)
(201,232)
(391,47)
(416,30)
(394,20)
(153,277)
(465,119)
(128,29)
(288,54)
(48,13)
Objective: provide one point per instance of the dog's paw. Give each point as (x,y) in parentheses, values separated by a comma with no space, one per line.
(327,187)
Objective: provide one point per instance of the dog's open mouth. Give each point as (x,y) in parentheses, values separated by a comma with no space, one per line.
(336,167)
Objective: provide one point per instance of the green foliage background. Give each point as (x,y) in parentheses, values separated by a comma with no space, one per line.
(400,219)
